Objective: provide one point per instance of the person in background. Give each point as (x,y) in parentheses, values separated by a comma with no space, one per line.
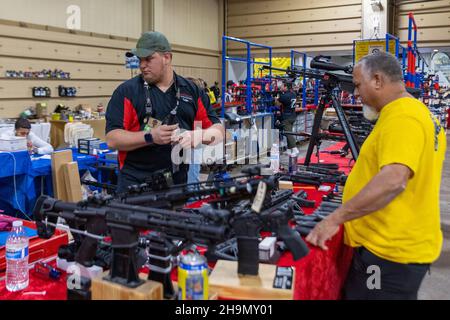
(209,93)
(196,156)
(229,91)
(216,90)
(287,101)
(22,128)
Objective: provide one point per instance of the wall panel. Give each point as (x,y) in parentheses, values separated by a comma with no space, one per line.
(250,7)
(116,17)
(18,88)
(310,15)
(287,24)
(96,64)
(78,70)
(194,30)
(11,108)
(432,19)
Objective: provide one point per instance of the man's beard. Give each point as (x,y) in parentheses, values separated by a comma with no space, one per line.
(370,113)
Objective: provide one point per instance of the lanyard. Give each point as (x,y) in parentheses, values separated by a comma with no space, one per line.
(149,104)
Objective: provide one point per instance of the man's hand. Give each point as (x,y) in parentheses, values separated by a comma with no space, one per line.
(323,232)
(163,134)
(30,146)
(187,138)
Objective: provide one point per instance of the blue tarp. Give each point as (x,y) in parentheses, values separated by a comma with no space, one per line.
(4,235)
(28,176)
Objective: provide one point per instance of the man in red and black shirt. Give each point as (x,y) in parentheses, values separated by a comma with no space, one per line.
(139,107)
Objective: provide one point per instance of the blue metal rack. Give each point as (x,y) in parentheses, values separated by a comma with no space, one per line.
(250,62)
(303,67)
(397,43)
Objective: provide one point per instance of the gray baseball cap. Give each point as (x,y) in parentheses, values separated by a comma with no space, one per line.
(149,43)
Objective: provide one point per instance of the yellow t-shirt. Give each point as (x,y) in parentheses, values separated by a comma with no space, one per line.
(408,229)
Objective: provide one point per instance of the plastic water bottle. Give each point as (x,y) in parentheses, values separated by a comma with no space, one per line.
(275,158)
(17,258)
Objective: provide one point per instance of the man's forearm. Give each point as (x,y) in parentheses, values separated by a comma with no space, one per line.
(376,195)
(123,140)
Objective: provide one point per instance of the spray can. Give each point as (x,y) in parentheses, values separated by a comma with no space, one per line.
(192,277)
(293,163)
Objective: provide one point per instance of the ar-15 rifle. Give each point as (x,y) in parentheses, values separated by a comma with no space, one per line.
(248,225)
(122,222)
(173,196)
(228,250)
(276,212)
(313,178)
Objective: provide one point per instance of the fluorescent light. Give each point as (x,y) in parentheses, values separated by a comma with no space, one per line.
(435,50)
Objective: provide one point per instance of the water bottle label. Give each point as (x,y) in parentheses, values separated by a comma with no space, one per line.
(12,254)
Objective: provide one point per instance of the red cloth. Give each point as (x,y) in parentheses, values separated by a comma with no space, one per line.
(345,164)
(50,289)
(448,118)
(6,222)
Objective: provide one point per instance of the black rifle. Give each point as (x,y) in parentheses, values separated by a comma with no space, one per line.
(248,225)
(315,179)
(224,192)
(122,222)
(300,198)
(160,192)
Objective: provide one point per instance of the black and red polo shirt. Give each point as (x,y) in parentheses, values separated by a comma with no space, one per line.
(126,110)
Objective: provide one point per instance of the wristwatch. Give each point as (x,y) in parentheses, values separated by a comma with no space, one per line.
(148,138)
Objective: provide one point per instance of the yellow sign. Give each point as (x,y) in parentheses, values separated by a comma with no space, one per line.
(277,62)
(365,47)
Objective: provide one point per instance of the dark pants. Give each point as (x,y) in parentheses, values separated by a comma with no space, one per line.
(288,123)
(126,180)
(396,281)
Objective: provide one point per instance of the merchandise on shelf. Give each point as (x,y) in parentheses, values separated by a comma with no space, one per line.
(43,74)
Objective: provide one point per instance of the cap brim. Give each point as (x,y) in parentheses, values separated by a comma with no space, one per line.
(140,53)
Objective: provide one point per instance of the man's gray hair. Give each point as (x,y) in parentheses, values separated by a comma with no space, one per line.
(383,62)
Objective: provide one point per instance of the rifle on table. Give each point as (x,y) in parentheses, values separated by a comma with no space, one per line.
(313,178)
(173,196)
(123,222)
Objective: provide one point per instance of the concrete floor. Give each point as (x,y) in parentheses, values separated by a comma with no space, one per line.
(435,286)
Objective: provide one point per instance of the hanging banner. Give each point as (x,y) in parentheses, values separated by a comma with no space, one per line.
(277,62)
(364,47)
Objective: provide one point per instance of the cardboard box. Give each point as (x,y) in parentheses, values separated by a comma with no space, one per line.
(267,248)
(59,159)
(13,144)
(72,182)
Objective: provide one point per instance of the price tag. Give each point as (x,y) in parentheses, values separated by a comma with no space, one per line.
(260,196)
(283,278)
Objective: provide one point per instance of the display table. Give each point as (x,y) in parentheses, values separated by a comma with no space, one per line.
(32,176)
(318,276)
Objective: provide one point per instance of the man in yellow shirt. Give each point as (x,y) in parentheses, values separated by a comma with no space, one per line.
(390,205)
